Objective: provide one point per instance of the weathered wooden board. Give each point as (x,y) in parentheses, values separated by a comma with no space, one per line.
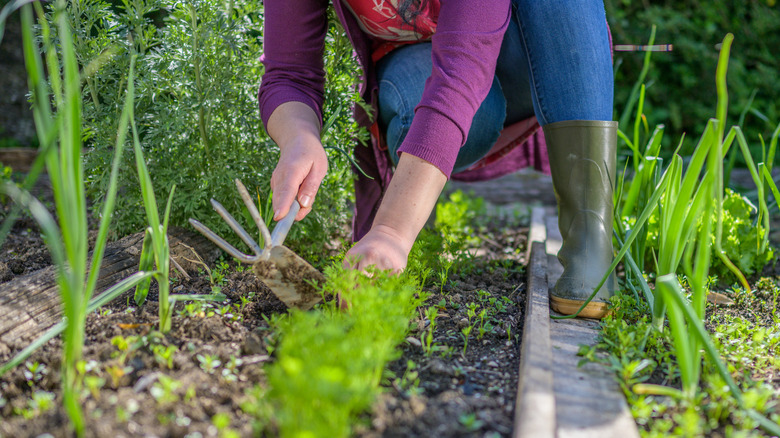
(31,304)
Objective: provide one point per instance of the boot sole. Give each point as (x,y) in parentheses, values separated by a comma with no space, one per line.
(565,306)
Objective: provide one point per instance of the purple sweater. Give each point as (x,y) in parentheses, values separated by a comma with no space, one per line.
(465,49)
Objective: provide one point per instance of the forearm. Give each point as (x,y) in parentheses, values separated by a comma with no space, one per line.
(409,200)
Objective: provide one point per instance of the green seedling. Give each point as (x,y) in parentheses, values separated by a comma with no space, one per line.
(409,383)
(427,337)
(470,422)
(208,363)
(164,355)
(40,402)
(164,390)
(34,372)
(231,370)
(221,422)
(465,333)
(94,384)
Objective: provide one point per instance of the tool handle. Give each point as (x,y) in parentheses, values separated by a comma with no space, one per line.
(283,226)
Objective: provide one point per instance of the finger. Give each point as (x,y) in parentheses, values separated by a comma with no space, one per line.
(285,185)
(302,213)
(309,188)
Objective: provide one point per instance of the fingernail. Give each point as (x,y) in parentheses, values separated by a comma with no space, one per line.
(305,201)
(277,214)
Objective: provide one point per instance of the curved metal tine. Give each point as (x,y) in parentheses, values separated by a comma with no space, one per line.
(250,205)
(222,244)
(237,227)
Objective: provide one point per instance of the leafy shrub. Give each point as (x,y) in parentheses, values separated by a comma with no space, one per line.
(742,239)
(680,86)
(198,71)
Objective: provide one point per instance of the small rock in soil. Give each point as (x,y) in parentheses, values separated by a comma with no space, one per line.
(439,367)
(5,273)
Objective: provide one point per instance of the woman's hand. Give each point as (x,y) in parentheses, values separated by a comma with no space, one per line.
(302,164)
(407,204)
(381,247)
(299,173)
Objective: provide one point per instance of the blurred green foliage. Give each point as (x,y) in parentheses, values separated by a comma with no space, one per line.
(680,85)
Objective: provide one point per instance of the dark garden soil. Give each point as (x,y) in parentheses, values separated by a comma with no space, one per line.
(219,351)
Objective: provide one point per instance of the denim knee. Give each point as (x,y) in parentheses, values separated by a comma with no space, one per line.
(401,76)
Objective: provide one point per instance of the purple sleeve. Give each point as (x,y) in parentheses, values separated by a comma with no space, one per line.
(466,44)
(293,42)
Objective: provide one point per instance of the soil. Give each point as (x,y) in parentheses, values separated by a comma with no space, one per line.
(219,351)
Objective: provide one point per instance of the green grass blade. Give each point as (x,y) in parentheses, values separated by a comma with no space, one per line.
(680,339)
(632,98)
(654,144)
(770,160)
(168,209)
(146,263)
(697,329)
(73,215)
(716,167)
(772,186)
(639,112)
(46,131)
(147,191)
(110,197)
(637,273)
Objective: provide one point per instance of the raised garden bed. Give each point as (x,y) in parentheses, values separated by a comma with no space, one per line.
(202,377)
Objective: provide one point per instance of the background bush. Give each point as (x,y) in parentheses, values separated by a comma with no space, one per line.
(198,72)
(680,84)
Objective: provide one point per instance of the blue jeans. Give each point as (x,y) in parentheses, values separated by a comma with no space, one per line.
(555,63)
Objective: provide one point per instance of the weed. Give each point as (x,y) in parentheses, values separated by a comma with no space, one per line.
(427,338)
(208,363)
(221,422)
(164,390)
(94,384)
(409,382)
(34,372)
(470,422)
(465,333)
(230,372)
(164,355)
(40,402)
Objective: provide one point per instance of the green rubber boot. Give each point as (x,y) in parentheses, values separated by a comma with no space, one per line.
(582,161)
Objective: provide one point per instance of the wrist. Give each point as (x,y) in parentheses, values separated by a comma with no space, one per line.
(403,239)
(294,122)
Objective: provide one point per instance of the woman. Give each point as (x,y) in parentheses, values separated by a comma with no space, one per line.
(445,78)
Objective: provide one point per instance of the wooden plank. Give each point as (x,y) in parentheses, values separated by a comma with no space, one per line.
(588,401)
(31,304)
(18,159)
(535,409)
(538,230)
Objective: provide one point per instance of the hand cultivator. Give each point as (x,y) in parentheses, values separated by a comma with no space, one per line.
(290,277)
